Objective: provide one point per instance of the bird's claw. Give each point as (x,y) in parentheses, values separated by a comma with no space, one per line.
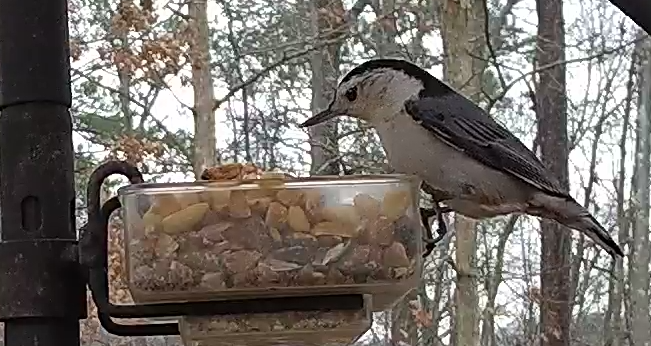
(430,241)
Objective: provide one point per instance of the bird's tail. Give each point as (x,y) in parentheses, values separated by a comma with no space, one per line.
(573,215)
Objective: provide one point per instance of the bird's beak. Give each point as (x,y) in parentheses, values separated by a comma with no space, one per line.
(321,117)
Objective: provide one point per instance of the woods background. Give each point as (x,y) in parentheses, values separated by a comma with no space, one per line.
(175,86)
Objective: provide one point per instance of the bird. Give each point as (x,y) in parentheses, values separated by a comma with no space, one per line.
(469,163)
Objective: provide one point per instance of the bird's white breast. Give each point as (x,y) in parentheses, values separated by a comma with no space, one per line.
(480,191)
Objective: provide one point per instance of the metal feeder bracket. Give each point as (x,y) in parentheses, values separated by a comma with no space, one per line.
(94,260)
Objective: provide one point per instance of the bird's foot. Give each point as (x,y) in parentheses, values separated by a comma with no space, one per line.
(430,241)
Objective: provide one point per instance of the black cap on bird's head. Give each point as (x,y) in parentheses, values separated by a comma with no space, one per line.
(378,86)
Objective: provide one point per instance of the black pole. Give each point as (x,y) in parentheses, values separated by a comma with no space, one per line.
(42,294)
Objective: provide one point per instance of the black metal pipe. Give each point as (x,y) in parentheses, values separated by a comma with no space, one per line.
(42,295)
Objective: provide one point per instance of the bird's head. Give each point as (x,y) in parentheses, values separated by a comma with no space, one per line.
(376,91)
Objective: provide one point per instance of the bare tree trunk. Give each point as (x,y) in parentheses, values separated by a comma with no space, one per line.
(385,34)
(551,106)
(630,217)
(580,280)
(431,334)
(204,96)
(462,29)
(492,284)
(325,71)
(124,76)
(613,330)
(639,276)
(530,325)
(125,94)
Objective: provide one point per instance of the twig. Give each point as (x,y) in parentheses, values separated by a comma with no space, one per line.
(542,68)
(350,17)
(177,12)
(286,57)
(489,43)
(168,134)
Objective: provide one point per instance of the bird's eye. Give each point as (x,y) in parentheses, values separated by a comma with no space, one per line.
(351,94)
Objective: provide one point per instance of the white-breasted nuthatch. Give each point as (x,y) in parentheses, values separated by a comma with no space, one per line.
(467,161)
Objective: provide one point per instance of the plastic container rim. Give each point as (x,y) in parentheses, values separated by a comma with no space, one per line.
(333,332)
(252,184)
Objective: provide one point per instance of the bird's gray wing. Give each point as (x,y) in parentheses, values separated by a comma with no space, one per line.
(463,125)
